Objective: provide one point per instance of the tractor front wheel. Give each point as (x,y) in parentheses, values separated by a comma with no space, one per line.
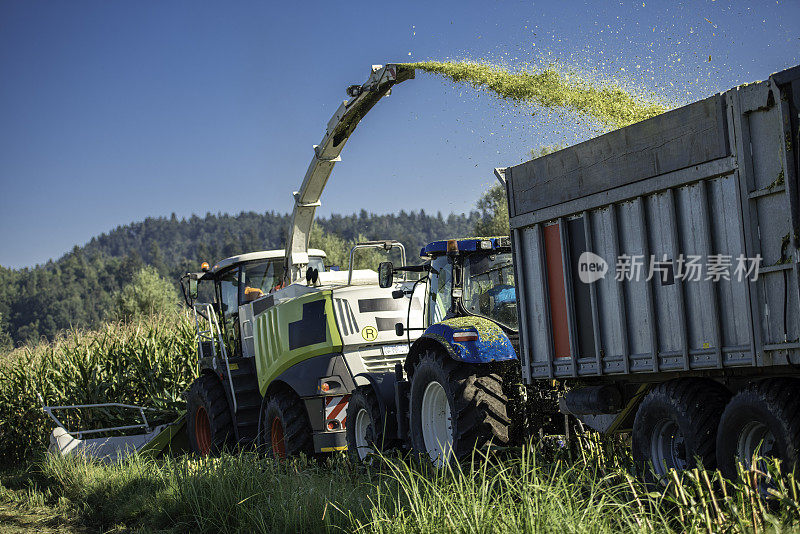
(208,417)
(455,408)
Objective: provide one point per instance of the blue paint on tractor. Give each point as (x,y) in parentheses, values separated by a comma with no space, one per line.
(492,344)
(464,245)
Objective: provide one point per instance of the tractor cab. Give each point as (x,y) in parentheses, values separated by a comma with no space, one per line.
(467,277)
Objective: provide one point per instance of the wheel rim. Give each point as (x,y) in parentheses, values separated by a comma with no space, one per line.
(202,431)
(755,439)
(437,424)
(668,447)
(361,428)
(276,435)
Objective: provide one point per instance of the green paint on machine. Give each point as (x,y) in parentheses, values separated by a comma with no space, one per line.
(294,331)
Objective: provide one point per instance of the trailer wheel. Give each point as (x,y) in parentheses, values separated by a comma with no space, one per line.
(208,416)
(677,423)
(284,427)
(762,419)
(365,425)
(455,408)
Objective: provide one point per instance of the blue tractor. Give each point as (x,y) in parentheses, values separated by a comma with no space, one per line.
(459,387)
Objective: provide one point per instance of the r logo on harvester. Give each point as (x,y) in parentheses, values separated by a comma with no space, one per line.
(370,333)
(309,330)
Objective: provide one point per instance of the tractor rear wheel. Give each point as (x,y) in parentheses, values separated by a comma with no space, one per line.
(456,408)
(208,417)
(365,425)
(284,427)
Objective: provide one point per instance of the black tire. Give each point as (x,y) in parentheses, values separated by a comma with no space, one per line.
(676,424)
(208,417)
(284,427)
(771,405)
(363,400)
(478,405)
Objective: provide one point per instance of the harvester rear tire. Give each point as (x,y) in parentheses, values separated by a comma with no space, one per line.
(208,417)
(476,402)
(365,425)
(284,427)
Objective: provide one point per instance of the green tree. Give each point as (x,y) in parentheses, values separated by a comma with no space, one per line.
(6,342)
(494,213)
(146,294)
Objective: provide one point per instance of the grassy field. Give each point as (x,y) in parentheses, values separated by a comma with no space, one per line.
(542,488)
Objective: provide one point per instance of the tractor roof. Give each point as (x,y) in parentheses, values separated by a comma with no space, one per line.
(262,255)
(467,245)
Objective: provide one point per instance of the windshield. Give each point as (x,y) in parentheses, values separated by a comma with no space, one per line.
(441,286)
(489,288)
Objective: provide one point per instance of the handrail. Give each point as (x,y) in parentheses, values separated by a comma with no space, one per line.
(214,331)
(385,245)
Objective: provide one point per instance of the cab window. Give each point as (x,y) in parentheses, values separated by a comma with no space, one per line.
(441,287)
(228,288)
(262,278)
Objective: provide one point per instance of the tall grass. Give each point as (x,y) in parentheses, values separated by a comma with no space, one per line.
(538,489)
(147,361)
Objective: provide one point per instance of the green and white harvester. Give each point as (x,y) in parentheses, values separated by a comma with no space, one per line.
(282,339)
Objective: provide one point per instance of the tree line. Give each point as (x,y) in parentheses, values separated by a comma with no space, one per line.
(88,285)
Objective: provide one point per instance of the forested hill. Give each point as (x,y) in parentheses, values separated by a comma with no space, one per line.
(79,289)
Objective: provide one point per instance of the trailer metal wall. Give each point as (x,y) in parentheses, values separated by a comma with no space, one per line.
(716,177)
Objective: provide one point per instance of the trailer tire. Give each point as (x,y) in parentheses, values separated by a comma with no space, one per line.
(475,401)
(763,417)
(284,429)
(365,425)
(677,423)
(208,422)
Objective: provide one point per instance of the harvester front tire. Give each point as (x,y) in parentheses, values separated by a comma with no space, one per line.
(677,423)
(462,402)
(284,427)
(365,425)
(763,419)
(208,417)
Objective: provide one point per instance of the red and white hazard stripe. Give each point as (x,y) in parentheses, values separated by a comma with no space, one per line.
(336,408)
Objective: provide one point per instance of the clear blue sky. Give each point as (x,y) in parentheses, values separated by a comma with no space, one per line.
(113,111)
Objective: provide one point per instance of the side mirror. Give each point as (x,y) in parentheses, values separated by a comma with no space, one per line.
(385,274)
(192,289)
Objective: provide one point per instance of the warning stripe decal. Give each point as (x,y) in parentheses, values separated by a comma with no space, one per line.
(336,408)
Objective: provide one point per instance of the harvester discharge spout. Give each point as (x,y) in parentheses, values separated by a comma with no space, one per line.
(327,153)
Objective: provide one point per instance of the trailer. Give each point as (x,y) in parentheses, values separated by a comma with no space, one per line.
(657,277)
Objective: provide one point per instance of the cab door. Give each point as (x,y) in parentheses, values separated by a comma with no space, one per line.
(228,298)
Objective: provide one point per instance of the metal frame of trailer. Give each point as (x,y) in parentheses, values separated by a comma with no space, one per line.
(716,177)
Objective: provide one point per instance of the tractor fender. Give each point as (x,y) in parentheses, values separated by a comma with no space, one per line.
(383,386)
(492,345)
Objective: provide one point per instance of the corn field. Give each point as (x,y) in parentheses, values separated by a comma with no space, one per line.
(147,361)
